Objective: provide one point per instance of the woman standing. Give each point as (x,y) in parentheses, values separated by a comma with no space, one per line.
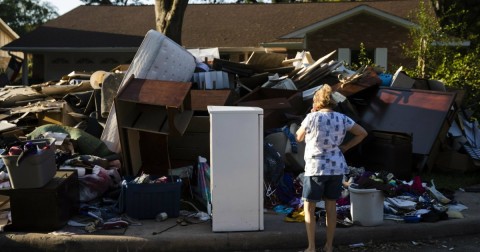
(324,131)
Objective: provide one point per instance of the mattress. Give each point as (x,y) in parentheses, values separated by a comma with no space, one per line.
(157,58)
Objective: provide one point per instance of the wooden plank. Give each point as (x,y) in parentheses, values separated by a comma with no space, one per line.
(3,201)
(151,120)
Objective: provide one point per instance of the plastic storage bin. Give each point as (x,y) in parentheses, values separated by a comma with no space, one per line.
(145,201)
(366,206)
(35,170)
(386,79)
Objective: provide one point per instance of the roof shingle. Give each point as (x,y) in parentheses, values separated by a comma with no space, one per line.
(205,25)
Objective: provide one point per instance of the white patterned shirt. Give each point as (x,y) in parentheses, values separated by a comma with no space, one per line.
(324,132)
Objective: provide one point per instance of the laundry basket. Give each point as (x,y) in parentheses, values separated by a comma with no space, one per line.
(35,170)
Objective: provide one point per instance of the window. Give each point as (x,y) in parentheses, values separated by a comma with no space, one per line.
(349,56)
(344,55)
(60,61)
(225,56)
(355,55)
(109,61)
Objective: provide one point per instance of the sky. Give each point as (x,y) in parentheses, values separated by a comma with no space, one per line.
(64,6)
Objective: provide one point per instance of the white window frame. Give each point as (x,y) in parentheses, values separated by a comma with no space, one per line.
(381,57)
(344,55)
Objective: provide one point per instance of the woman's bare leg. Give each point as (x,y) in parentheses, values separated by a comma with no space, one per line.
(309,210)
(331,211)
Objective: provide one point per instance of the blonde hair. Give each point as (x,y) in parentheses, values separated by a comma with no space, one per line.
(323,98)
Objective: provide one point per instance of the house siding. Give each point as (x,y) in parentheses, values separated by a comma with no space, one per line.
(5,38)
(372,31)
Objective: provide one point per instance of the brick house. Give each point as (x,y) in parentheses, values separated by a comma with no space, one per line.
(90,38)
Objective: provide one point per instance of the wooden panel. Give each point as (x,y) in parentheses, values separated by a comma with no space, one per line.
(274,103)
(147,112)
(417,112)
(267,93)
(154,153)
(202,98)
(353,88)
(156,92)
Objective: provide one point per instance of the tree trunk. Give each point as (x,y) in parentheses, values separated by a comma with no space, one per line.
(169,18)
(422,57)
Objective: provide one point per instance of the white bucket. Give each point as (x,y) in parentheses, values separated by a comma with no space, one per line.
(366,206)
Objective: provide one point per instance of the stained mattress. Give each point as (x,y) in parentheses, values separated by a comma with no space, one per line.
(157,58)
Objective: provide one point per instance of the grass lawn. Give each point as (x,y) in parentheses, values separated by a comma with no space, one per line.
(451,180)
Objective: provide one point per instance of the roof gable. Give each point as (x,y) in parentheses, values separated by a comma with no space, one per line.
(205,25)
(234,25)
(345,15)
(7,30)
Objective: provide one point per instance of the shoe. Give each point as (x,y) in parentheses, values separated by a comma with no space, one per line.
(345,223)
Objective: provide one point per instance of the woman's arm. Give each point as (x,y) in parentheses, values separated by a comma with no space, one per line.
(300,134)
(359,134)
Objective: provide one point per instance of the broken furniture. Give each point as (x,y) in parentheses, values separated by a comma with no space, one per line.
(276,103)
(425,115)
(202,98)
(184,150)
(240,69)
(157,58)
(388,151)
(269,62)
(248,84)
(148,111)
(47,208)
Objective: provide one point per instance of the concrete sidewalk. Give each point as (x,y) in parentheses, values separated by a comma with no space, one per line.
(278,234)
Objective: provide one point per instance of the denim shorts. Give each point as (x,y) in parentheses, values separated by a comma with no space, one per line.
(316,188)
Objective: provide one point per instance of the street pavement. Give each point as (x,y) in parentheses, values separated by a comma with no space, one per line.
(278,234)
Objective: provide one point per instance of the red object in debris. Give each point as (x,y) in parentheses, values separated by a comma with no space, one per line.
(15,150)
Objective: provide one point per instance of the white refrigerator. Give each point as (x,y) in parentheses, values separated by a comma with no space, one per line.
(236,168)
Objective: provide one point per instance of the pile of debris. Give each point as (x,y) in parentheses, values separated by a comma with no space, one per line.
(151,116)
(420,111)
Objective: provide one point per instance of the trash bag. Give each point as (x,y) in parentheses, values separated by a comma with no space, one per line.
(273,165)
